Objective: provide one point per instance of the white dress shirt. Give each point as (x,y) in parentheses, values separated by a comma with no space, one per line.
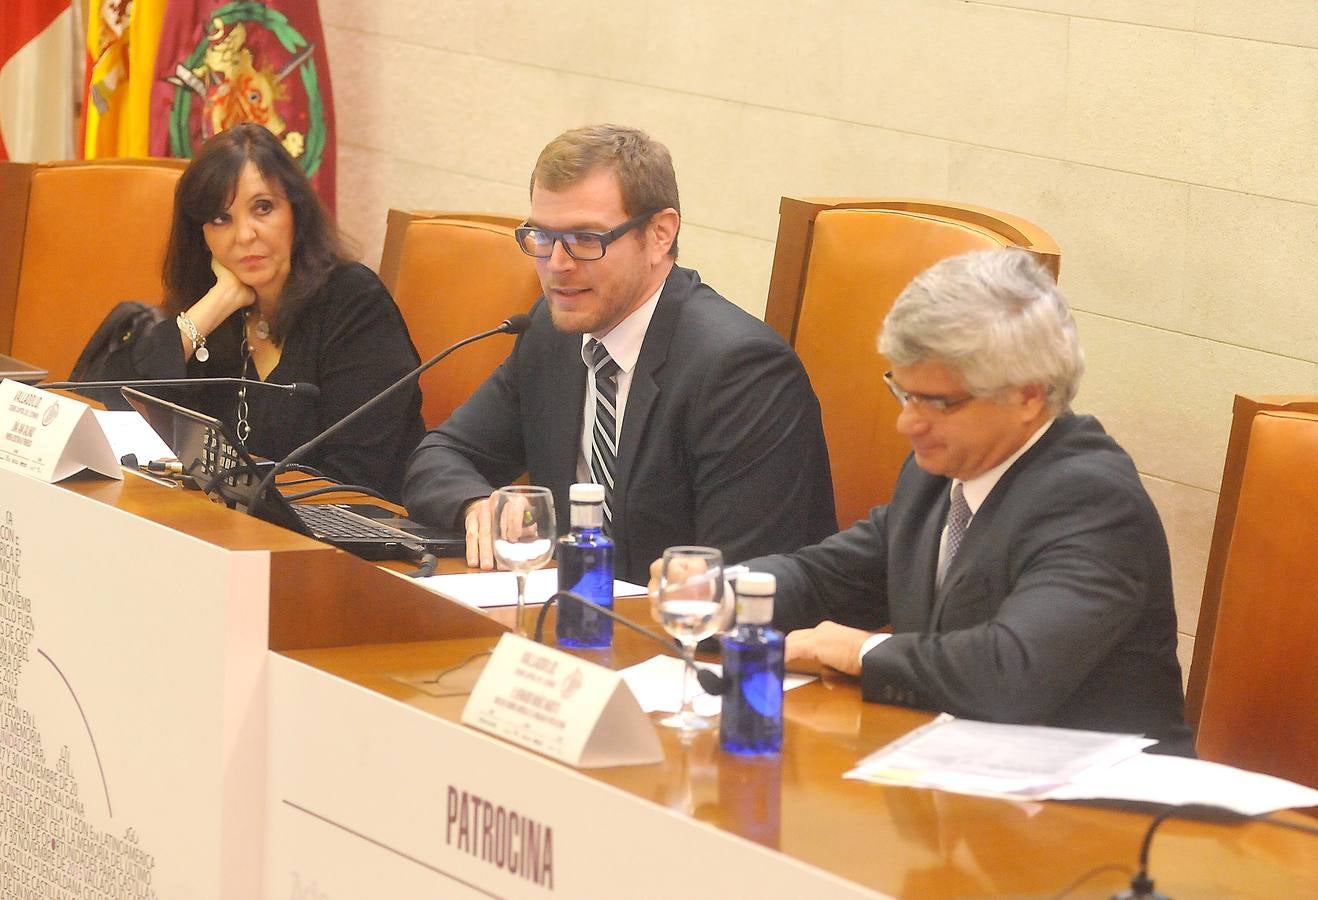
(623,342)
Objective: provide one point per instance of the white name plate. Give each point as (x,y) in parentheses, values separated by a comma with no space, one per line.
(564,707)
(50,437)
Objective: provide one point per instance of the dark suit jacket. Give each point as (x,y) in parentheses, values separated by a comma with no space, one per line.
(721,439)
(1057,609)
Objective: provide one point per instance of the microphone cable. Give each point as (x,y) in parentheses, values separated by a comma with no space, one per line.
(709,682)
(1141,883)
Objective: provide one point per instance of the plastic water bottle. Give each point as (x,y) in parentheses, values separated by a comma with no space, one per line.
(585,567)
(752,717)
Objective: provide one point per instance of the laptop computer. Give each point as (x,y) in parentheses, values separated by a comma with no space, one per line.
(17,370)
(221,466)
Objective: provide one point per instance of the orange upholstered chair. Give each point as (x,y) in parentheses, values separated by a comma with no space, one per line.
(1246,407)
(453,275)
(838,266)
(75,239)
(1260,702)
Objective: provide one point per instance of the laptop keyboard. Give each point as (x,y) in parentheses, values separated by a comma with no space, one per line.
(331,523)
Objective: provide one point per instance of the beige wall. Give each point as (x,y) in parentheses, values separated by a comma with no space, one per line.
(1168,146)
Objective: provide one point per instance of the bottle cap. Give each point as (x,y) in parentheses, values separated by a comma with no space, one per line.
(757,584)
(587,492)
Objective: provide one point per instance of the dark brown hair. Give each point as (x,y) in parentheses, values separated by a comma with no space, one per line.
(207,188)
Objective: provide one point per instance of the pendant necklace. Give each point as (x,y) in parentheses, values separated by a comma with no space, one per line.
(262,328)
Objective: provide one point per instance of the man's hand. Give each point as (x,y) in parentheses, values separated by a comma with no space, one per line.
(480,533)
(679,570)
(828,643)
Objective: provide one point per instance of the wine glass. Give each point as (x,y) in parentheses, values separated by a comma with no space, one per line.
(692,606)
(523,535)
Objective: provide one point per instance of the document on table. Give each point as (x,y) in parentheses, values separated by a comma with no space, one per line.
(1176,781)
(992,759)
(657,685)
(489,589)
(128,432)
(1033,762)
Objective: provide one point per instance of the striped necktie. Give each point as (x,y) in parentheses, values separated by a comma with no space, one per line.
(604,435)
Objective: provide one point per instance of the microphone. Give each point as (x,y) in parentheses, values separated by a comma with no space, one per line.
(297,388)
(514,324)
(710,683)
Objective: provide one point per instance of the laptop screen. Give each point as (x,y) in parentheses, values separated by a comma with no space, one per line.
(209,453)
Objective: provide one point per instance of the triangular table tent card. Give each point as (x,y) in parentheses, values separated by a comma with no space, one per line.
(49,436)
(562,706)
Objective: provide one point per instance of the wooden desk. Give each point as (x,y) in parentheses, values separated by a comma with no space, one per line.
(358,623)
(902,842)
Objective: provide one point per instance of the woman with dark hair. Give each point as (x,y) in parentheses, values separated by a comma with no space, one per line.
(260,289)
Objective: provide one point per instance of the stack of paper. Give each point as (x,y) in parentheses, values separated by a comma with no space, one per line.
(490,589)
(1033,762)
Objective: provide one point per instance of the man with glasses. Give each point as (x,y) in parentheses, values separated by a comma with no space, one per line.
(696,417)
(1021,565)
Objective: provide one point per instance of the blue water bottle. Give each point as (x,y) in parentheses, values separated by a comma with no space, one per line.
(752,717)
(585,567)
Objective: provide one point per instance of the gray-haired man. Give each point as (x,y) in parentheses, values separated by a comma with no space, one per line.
(1021,565)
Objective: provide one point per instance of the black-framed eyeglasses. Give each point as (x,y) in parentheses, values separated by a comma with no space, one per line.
(580,245)
(938,403)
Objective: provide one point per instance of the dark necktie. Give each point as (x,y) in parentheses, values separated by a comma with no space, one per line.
(958,520)
(604,435)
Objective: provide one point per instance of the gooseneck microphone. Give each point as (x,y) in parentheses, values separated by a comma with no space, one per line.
(514,324)
(297,389)
(710,682)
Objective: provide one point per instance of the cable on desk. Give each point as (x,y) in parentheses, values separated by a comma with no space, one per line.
(439,676)
(429,563)
(1106,867)
(334,488)
(1141,884)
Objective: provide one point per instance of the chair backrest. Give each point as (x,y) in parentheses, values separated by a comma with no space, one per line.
(75,239)
(453,275)
(1245,408)
(838,267)
(1260,707)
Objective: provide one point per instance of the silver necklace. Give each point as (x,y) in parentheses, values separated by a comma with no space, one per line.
(262,329)
(244,426)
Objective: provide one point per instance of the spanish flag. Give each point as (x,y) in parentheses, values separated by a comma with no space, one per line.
(121,60)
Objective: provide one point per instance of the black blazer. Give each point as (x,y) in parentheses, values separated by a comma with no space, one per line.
(721,439)
(1057,609)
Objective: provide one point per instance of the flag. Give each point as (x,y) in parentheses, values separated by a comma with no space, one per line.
(220,63)
(36,80)
(122,36)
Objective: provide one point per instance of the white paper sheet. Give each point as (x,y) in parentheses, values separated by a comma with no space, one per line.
(1176,780)
(128,432)
(992,759)
(1038,763)
(489,589)
(657,685)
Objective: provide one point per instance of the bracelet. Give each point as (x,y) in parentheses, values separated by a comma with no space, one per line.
(188,327)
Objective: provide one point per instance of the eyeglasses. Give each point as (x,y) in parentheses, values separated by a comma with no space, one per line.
(580,245)
(932,402)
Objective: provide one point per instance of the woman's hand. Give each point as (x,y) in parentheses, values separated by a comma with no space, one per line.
(229,293)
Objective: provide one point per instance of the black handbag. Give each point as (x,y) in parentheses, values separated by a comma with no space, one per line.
(108,356)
